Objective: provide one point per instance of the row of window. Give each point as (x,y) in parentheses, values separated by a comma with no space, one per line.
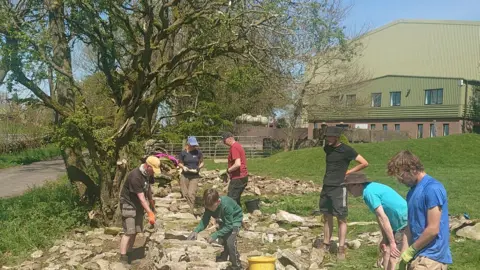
(433,130)
(432,97)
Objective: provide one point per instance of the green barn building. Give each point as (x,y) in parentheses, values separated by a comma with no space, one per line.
(423,74)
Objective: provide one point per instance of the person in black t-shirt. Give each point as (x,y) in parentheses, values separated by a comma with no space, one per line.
(333,198)
(133,203)
(191,161)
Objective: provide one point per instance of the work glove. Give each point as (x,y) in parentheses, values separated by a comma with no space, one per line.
(151,218)
(224,175)
(192,236)
(407,256)
(210,240)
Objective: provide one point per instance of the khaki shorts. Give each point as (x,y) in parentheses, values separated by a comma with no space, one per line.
(424,263)
(132,219)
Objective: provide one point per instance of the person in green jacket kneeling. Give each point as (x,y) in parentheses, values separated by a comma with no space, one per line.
(229,215)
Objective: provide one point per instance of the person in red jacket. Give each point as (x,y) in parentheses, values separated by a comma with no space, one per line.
(237,167)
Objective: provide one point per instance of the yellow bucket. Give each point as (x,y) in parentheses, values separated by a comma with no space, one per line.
(261,263)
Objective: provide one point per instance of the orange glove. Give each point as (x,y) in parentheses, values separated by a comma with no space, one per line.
(151,218)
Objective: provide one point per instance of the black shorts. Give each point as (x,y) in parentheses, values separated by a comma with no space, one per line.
(333,201)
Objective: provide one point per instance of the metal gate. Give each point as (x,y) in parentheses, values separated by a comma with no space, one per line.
(212,147)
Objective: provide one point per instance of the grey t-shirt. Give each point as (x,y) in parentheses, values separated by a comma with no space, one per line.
(191,159)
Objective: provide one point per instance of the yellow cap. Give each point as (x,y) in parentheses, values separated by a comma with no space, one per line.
(154,162)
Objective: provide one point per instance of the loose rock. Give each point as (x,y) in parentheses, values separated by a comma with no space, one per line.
(283,216)
(470,232)
(288,257)
(113,230)
(354,244)
(37,254)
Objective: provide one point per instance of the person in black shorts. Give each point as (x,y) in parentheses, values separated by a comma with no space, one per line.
(333,198)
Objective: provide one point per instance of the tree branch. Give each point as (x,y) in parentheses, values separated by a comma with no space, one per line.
(47,100)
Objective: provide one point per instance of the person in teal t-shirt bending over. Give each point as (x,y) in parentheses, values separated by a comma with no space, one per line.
(391,211)
(230,216)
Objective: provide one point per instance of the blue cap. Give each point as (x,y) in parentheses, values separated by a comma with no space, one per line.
(192,141)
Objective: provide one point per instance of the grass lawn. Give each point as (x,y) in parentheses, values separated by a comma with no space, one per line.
(38,218)
(454,160)
(29,156)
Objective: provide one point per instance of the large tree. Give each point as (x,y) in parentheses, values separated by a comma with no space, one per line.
(320,62)
(147,51)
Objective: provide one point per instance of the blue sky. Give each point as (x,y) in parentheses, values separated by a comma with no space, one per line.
(375,13)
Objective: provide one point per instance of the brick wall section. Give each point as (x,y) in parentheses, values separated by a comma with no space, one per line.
(268,132)
(409,126)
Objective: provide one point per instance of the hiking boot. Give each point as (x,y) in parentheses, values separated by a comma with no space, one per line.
(124,260)
(341,254)
(221,258)
(318,243)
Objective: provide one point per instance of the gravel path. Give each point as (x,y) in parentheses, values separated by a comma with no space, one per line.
(16,180)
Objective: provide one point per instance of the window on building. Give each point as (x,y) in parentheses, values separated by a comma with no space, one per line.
(397,127)
(385,127)
(335,99)
(446,129)
(420,131)
(372,126)
(433,96)
(377,100)
(433,130)
(395,98)
(351,99)
(315,125)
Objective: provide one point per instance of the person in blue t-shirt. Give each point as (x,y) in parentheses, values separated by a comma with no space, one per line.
(428,230)
(391,211)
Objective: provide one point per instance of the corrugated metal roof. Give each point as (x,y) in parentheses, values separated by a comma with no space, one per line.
(423,48)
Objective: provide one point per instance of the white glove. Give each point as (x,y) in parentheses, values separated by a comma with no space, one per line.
(190,170)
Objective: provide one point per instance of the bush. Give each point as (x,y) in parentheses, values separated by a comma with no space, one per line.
(29,156)
(37,218)
(344,139)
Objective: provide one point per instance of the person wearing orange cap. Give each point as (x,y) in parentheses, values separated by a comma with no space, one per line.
(133,202)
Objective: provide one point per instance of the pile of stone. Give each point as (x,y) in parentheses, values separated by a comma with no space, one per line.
(465,228)
(285,186)
(283,235)
(294,245)
(96,250)
(260,185)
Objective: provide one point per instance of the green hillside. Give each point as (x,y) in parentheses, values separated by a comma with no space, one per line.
(454,160)
(436,153)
